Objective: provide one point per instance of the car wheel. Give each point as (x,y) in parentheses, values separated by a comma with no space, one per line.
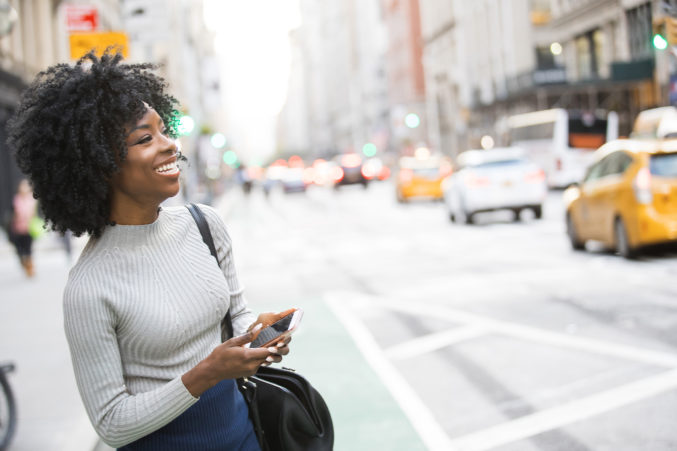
(452,217)
(517,216)
(575,241)
(538,211)
(622,243)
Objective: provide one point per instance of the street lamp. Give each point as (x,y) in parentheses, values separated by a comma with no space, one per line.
(556,48)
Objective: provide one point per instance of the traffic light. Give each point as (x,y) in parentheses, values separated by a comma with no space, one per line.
(369,149)
(412,120)
(664,32)
(185,125)
(671,30)
(659,40)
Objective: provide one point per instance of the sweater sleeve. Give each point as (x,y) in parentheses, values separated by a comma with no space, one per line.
(118,416)
(240,313)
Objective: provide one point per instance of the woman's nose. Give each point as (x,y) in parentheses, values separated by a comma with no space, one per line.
(171,144)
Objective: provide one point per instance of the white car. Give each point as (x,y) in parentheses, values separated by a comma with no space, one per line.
(496,179)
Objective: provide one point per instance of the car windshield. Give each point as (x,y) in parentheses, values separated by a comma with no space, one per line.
(501,163)
(664,165)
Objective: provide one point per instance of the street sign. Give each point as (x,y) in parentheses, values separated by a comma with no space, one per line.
(81,18)
(81,43)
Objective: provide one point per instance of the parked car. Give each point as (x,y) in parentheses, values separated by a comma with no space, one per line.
(350,170)
(421,177)
(496,179)
(628,197)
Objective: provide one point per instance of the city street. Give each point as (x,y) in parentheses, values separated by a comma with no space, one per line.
(419,333)
(494,336)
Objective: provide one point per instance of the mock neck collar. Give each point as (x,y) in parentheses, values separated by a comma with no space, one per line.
(121,235)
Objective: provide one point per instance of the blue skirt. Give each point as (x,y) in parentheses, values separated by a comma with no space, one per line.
(219,421)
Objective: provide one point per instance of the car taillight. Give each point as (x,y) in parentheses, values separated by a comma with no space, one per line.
(558,164)
(336,174)
(384,174)
(446,170)
(535,176)
(368,172)
(642,186)
(406,175)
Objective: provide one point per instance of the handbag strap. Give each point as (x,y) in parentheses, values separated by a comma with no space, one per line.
(203,227)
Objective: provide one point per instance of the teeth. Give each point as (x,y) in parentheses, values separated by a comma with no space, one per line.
(167,167)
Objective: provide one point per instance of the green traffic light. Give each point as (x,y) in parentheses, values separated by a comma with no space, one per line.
(369,150)
(659,42)
(185,126)
(412,120)
(230,158)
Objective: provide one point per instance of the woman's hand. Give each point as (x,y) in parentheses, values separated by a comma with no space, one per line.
(229,360)
(281,348)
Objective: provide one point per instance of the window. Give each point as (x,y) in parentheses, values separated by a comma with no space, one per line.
(589,51)
(595,171)
(544,131)
(639,31)
(664,165)
(616,163)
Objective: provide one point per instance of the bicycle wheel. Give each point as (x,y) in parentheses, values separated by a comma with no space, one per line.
(7,412)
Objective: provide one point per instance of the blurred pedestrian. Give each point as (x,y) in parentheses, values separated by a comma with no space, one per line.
(24,210)
(144,302)
(243,179)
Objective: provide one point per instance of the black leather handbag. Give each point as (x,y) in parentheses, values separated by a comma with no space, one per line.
(287,412)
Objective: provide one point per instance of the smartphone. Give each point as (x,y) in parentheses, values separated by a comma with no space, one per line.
(277,331)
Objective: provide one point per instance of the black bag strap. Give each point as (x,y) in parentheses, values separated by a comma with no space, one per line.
(246,386)
(203,227)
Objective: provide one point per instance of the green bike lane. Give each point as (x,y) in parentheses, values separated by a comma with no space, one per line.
(365,414)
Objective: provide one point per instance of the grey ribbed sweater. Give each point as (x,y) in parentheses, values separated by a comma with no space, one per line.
(142,306)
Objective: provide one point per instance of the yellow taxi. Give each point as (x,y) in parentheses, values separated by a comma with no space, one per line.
(628,197)
(421,176)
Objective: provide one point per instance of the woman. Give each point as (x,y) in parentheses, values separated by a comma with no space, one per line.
(24,209)
(143,304)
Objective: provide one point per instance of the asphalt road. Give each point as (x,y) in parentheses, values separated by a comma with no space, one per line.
(493,336)
(419,333)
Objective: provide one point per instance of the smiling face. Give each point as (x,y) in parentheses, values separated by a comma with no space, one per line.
(149,174)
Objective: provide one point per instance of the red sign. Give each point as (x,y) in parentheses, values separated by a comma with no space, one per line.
(81,18)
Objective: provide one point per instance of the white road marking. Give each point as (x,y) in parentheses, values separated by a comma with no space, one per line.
(647,356)
(545,420)
(524,427)
(423,421)
(434,341)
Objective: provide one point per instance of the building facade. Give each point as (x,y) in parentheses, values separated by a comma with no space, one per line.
(169,33)
(343,55)
(488,59)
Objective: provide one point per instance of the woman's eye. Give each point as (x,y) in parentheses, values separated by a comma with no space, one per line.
(145,139)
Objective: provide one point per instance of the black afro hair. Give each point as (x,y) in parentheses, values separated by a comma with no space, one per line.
(68,134)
